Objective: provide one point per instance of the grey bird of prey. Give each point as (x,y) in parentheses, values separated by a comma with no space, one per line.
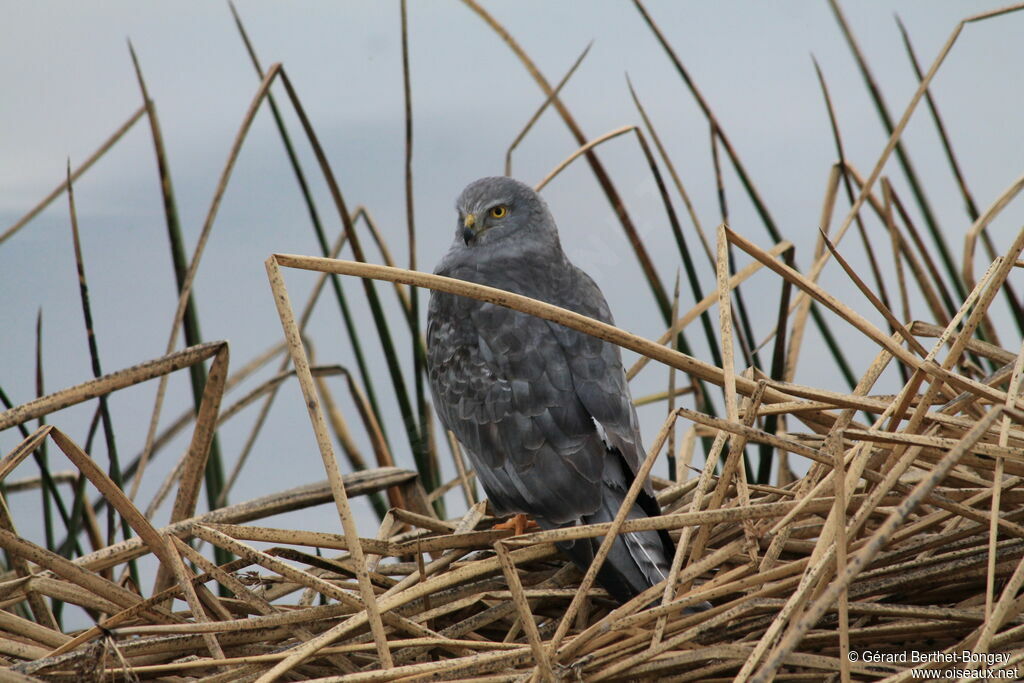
(543,411)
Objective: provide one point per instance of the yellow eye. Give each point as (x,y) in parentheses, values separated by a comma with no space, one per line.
(498,211)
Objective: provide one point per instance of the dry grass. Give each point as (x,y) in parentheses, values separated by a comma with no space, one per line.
(906,534)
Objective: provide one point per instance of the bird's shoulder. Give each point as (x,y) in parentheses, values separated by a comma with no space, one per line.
(465,320)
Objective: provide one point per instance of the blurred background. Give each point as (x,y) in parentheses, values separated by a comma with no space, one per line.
(69,84)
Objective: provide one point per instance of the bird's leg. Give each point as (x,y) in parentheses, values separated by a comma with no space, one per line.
(519,523)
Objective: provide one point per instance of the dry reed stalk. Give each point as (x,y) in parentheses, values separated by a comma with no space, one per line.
(458,591)
(603,646)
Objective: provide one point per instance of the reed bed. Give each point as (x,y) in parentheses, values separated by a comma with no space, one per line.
(902,536)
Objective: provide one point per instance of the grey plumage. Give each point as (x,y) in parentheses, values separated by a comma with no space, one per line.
(544,412)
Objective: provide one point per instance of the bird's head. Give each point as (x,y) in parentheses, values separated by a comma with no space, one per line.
(497,209)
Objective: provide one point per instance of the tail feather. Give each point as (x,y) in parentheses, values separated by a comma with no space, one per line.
(636,560)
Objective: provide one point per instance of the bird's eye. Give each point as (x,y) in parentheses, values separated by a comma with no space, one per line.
(498,211)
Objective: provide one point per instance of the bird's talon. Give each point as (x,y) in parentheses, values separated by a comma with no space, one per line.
(519,524)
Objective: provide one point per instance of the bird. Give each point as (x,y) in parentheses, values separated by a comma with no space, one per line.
(543,411)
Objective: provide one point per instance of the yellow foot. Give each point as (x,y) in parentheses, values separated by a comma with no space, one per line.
(519,524)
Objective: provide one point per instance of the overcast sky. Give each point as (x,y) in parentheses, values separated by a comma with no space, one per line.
(68,84)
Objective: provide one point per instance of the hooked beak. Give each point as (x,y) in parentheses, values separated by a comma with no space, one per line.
(469,231)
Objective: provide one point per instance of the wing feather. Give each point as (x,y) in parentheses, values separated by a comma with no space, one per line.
(522,393)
